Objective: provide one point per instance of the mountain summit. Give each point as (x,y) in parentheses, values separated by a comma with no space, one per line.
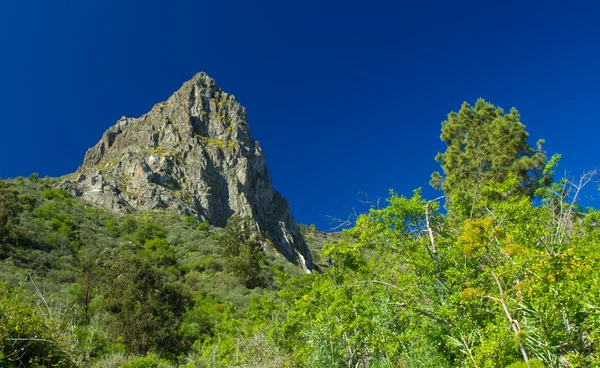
(192,154)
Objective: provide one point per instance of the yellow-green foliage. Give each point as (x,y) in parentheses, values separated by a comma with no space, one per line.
(211,141)
(475,234)
(161,151)
(29,336)
(104,165)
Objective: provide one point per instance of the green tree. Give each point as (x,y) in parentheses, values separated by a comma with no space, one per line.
(10,209)
(243,251)
(148,301)
(376,304)
(482,144)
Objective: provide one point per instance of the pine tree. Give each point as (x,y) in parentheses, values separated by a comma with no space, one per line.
(484,144)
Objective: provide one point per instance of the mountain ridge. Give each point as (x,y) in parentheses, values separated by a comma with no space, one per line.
(192,154)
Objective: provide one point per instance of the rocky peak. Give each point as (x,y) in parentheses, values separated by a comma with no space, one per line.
(192,154)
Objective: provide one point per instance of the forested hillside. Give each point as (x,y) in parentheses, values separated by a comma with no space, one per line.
(499,271)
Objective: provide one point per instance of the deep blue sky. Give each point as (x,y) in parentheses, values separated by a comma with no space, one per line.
(343,95)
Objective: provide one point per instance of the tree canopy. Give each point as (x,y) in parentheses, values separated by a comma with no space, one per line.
(484,144)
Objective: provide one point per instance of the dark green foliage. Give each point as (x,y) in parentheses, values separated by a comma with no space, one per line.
(203,226)
(112,228)
(55,194)
(129,225)
(146,231)
(146,362)
(148,301)
(483,144)
(10,209)
(243,251)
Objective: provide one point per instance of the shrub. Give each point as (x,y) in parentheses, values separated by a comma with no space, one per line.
(145,362)
(28,338)
(149,361)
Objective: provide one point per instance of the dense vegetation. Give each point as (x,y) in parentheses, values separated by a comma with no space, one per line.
(503,275)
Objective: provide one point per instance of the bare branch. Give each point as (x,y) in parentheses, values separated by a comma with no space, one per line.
(584,180)
(514,323)
(39,293)
(430,231)
(368,201)
(339,223)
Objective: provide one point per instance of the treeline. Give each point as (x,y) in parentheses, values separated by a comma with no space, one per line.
(499,271)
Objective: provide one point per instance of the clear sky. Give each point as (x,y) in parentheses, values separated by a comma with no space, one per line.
(344,96)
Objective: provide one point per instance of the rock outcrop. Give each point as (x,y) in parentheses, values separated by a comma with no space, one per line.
(192,154)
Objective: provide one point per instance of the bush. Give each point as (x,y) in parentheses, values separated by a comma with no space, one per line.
(533,363)
(55,194)
(146,362)
(147,300)
(149,361)
(27,337)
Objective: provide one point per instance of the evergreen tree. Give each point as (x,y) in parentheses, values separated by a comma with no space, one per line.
(147,300)
(484,144)
(243,253)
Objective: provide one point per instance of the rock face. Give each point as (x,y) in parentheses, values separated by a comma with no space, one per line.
(192,154)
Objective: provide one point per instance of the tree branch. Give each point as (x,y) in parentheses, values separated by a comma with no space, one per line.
(430,231)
